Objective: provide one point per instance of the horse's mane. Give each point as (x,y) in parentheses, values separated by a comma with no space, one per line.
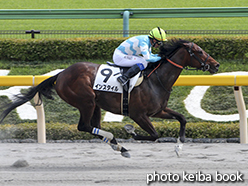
(170,47)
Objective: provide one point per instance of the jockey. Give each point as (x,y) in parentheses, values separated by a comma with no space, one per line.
(135,52)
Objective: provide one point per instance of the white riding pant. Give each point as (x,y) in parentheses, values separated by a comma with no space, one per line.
(124,60)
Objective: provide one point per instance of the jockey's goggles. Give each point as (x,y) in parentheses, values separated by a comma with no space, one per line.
(160,43)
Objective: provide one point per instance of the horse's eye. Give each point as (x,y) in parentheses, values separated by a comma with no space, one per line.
(200,52)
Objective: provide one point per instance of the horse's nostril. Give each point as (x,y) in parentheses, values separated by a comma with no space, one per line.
(217,65)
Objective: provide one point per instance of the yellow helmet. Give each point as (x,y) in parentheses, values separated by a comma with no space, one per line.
(158,34)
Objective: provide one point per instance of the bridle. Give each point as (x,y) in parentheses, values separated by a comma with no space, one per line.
(204,66)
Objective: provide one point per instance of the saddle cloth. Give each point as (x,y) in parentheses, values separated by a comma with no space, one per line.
(106,80)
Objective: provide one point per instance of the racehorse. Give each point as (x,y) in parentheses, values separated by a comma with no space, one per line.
(75,86)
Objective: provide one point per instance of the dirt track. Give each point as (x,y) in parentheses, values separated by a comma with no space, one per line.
(60,164)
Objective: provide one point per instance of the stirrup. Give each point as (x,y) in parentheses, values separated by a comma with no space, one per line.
(122,81)
(123,84)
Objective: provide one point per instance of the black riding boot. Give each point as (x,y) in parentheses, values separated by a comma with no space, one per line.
(131,72)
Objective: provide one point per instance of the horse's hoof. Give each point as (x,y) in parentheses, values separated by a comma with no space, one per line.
(182,139)
(178,149)
(116,147)
(129,128)
(126,154)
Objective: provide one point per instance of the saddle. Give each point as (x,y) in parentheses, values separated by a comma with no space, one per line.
(144,74)
(124,69)
(125,94)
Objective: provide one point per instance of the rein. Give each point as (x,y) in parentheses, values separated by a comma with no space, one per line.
(204,66)
(153,70)
(171,62)
(177,65)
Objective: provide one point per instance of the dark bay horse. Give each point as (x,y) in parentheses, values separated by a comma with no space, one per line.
(75,86)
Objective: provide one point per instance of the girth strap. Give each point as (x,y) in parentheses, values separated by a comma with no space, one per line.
(125,102)
(125,98)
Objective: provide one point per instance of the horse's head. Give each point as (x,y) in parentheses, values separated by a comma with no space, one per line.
(193,56)
(200,59)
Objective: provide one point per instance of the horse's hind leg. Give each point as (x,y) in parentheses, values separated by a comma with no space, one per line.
(75,87)
(109,138)
(96,118)
(105,136)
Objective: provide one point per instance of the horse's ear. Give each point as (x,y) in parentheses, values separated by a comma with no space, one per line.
(186,44)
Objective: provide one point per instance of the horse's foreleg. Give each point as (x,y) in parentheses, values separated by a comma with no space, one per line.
(145,123)
(171,114)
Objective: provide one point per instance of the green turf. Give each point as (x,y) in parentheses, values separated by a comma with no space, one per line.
(117,24)
(85,4)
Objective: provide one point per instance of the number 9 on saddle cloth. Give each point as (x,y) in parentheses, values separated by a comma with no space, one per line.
(106,79)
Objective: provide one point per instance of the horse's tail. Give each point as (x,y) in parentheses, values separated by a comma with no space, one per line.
(44,88)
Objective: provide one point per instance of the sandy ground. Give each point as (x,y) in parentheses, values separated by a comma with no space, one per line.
(97,164)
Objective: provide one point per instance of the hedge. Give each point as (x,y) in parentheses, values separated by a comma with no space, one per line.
(57,131)
(228,48)
(56,49)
